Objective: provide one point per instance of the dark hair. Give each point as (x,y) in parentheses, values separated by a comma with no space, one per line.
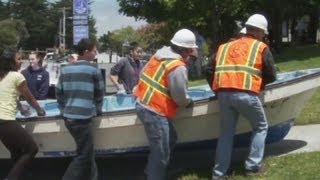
(252,28)
(7,61)
(176,48)
(83,45)
(133,45)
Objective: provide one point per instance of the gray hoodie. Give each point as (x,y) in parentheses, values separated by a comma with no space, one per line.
(178,78)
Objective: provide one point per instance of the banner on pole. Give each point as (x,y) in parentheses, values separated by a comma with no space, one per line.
(80,20)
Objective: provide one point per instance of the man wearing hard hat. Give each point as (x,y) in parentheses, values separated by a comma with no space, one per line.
(161,89)
(243,67)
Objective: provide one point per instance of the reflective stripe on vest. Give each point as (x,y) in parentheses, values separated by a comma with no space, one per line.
(249,65)
(153,82)
(153,87)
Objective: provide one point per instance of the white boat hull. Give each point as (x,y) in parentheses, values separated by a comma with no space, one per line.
(122,132)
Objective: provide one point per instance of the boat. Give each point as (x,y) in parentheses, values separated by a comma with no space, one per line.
(118,131)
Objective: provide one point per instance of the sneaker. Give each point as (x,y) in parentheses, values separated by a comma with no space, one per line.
(255,172)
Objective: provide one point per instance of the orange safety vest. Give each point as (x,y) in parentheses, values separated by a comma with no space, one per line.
(239,65)
(153,89)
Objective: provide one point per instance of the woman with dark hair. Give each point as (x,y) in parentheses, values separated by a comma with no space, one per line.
(21,145)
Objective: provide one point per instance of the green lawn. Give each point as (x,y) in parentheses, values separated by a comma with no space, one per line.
(303,166)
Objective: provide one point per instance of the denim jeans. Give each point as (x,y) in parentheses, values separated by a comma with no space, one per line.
(162,137)
(232,104)
(83,165)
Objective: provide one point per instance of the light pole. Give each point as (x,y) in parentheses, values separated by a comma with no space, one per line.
(62,29)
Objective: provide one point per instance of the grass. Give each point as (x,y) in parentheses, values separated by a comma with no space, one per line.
(303,166)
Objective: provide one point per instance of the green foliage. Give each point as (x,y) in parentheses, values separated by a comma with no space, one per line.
(216,20)
(121,39)
(296,166)
(34,14)
(41,19)
(153,36)
(12,32)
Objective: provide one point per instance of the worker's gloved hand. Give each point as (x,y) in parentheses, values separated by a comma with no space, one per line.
(190,103)
(121,90)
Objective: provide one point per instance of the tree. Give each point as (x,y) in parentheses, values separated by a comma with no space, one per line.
(107,44)
(57,14)
(11,33)
(121,39)
(34,14)
(217,20)
(153,36)
(4,11)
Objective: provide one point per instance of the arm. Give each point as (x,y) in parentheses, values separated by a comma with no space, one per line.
(114,79)
(115,71)
(99,92)
(178,81)
(25,92)
(269,74)
(210,70)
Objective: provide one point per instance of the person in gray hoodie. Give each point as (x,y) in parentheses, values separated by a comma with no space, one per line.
(162,88)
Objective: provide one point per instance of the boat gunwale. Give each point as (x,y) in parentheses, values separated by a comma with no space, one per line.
(197,102)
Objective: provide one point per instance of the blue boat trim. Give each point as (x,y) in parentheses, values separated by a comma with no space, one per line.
(275,134)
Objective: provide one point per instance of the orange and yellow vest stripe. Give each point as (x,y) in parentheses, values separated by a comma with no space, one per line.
(153,89)
(239,65)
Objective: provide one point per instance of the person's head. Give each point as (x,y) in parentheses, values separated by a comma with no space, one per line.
(135,51)
(184,43)
(35,60)
(9,60)
(257,26)
(86,49)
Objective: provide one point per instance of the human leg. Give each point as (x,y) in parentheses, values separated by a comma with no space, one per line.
(228,121)
(21,145)
(157,130)
(83,165)
(252,109)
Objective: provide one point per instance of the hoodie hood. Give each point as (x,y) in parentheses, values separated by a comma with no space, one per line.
(166,53)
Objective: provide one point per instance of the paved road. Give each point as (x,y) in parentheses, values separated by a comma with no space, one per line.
(299,139)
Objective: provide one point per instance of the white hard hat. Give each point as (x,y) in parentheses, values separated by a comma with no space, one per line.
(184,38)
(243,31)
(258,21)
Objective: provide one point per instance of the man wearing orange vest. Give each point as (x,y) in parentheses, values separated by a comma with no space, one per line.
(242,68)
(161,89)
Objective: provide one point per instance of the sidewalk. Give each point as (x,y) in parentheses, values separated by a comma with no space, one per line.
(300,139)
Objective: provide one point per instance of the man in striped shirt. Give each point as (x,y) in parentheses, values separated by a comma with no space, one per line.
(79,93)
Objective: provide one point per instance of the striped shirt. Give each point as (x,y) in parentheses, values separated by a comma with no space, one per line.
(80,90)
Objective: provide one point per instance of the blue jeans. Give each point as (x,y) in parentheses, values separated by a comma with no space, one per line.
(232,104)
(162,137)
(83,165)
